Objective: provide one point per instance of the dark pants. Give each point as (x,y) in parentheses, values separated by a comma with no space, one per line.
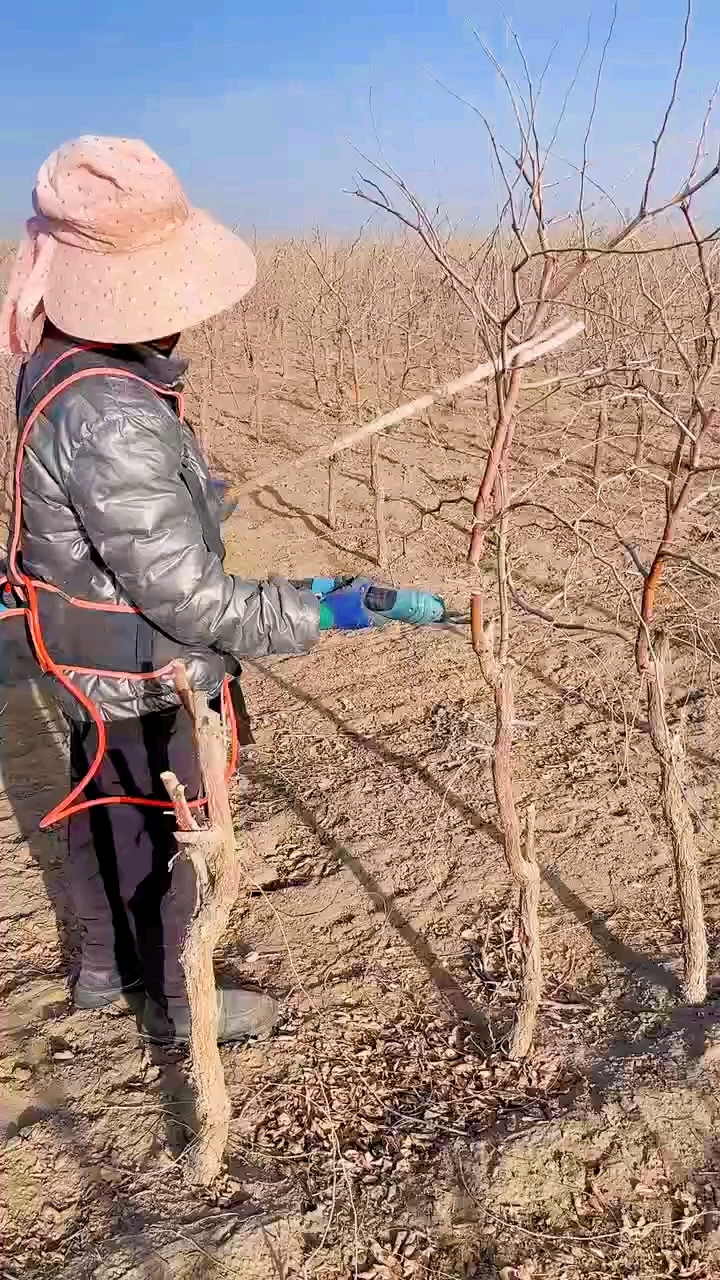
(133,909)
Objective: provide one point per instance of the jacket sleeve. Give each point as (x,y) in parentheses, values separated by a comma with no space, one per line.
(126,486)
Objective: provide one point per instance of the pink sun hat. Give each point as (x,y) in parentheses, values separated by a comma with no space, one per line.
(116,253)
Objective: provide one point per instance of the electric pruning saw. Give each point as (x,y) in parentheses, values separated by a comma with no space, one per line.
(387,604)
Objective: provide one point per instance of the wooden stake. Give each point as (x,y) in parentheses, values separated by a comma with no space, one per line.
(213,853)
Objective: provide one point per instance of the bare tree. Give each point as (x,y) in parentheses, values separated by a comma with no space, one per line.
(532,273)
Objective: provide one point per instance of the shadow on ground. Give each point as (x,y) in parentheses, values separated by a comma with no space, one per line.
(34,771)
(649,986)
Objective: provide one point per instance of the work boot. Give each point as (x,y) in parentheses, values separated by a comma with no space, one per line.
(97,988)
(242,1015)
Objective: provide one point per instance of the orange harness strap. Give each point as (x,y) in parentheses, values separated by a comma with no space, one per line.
(29,587)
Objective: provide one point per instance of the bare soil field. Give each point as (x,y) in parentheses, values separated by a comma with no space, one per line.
(384,1132)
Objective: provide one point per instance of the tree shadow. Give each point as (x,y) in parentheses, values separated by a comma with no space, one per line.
(373,745)
(34,772)
(679,1034)
(565,693)
(448,986)
(643,974)
(315,524)
(636,964)
(358,478)
(680,1038)
(177,1096)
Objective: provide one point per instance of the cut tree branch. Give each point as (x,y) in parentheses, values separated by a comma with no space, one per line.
(555,336)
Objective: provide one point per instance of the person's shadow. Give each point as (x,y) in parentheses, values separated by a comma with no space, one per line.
(34,776)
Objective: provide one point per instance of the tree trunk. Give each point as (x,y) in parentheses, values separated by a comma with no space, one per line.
(521,862)
(257,409)
(673,791)
(203,428)
(378,488)
(600,437)
(639,434)
(210,334)
(214,855)
(523,868)
(332,494)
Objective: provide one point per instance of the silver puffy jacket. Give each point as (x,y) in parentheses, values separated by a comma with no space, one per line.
(117,507)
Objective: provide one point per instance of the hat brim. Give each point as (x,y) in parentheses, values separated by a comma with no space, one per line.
(201,270)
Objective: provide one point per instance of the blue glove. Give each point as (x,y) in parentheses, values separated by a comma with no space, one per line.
(345,609)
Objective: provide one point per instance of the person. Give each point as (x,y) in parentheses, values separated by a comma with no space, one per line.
(117,528)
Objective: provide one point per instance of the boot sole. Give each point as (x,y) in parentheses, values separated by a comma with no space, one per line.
(182,1042)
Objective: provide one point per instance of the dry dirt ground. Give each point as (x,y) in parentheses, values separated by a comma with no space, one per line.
(383,1132)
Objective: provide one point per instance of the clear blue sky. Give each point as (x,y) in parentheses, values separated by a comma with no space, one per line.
(257,106)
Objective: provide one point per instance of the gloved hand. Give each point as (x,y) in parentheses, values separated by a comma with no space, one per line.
(345,610)
(9,599)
